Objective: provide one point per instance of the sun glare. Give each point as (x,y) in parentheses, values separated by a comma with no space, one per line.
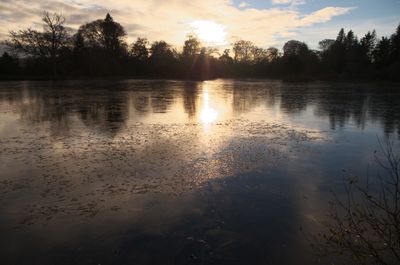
(208,114)
(210,32)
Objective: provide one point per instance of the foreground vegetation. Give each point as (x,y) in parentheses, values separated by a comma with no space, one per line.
(99,49)
(364,225)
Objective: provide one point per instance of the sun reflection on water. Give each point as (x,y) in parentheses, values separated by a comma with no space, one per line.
(208,114)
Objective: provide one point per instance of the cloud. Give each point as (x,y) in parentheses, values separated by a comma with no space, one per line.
(170,20)
(324,15)
(243,4)
(288,2)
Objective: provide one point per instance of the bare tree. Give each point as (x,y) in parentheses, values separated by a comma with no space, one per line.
(259,55)
(365,225)
(47,44)
(55,33)
(243,51)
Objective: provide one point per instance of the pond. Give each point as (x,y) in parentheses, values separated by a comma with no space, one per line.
(176,172)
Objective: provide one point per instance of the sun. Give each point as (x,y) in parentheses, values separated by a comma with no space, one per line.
(209,32)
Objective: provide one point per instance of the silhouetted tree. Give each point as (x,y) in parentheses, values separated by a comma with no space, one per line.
(386,56)
(8,64)
(353,53)
(79,55)
(326,44)
(381,53)
(272,54)
(191,47)
(190,57)
(295,48)
(47,44)
(368,43)
(163,58)
(395,44)
(225,58)
(259,55)
(336,55)
(295,57)
(56,35)
(113,34)
(104,44)
(139,49)
(350,40)
(79,44)
(105,34)
(225,63)
(98,48)
(341,36)
(161,50)
(139,57)
(242,51)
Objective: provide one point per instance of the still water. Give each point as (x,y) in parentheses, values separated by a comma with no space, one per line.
(171,172)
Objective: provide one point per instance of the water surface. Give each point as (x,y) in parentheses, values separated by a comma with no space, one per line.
(173,172)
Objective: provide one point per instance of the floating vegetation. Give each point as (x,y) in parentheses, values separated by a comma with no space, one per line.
(84,173)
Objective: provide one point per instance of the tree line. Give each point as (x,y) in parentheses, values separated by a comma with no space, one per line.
(99,49)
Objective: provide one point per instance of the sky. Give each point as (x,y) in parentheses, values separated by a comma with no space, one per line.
(217,22)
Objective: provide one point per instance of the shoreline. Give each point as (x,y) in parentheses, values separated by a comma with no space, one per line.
(116,78)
